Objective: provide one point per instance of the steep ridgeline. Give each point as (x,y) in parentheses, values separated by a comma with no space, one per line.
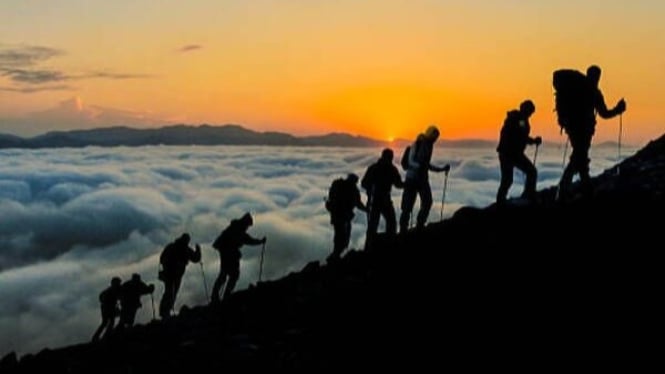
(541,286)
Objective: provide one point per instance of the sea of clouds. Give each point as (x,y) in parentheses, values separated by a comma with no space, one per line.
(70,219)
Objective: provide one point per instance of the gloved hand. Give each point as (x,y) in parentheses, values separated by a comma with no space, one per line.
(621,106)
(446,168)
(539,140)
(264,240)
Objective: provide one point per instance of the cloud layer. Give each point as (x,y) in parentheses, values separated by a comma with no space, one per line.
(73,218)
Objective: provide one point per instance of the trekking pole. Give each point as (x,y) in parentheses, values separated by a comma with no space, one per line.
(535,154)
(565,151)
(205,282)
(152,299)
(563,166)
(443,198)
(619,142)
(263,251)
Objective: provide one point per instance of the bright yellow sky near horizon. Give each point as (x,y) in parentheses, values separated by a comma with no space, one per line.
(379,68)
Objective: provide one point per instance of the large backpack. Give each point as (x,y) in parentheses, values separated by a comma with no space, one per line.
(573,96)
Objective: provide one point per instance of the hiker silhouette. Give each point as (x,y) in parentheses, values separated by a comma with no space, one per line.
(130,299)
(173,260)
(579,122)
(416,180)
(228,244)
(512,143)
(108,300)
(343,198)
(378,181)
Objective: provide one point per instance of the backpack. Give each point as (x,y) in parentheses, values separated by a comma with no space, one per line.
(335,194)
(167,255)
(218,244)
(573,96)
(405,158)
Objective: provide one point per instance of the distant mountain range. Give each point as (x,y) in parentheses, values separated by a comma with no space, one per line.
(200,135)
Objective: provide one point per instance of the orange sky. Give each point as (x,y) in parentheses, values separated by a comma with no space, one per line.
(377,68)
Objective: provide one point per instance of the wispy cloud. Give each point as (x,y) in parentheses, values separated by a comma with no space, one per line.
(189,48)
(33,89)
(35,76)
(47,76)
(112,75)
(20,66)
(22,56)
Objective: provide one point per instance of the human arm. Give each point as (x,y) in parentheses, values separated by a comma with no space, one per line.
(397,179)
(249,240)
(195,256)
(359,202)
(438,169)
(147,289)
(606,113)
(537,140)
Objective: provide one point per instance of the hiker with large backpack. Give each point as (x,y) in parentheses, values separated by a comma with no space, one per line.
(578,99)
(173,260)
(228,244)
(343,198)
(108,300)
(378,181)
(416,182)
(130,299)
(512,142)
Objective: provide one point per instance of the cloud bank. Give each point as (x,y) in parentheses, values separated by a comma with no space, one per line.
(73,218)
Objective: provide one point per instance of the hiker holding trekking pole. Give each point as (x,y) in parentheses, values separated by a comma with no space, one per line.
(228,243)
(416,160)
(512,143)
(173,260)
(578,99)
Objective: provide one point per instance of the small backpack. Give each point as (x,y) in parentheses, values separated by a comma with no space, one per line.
(405,158)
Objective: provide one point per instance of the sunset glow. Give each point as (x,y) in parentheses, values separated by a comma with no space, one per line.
(384,69)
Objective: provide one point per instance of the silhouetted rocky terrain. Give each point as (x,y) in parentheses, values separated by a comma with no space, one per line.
(572,286)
